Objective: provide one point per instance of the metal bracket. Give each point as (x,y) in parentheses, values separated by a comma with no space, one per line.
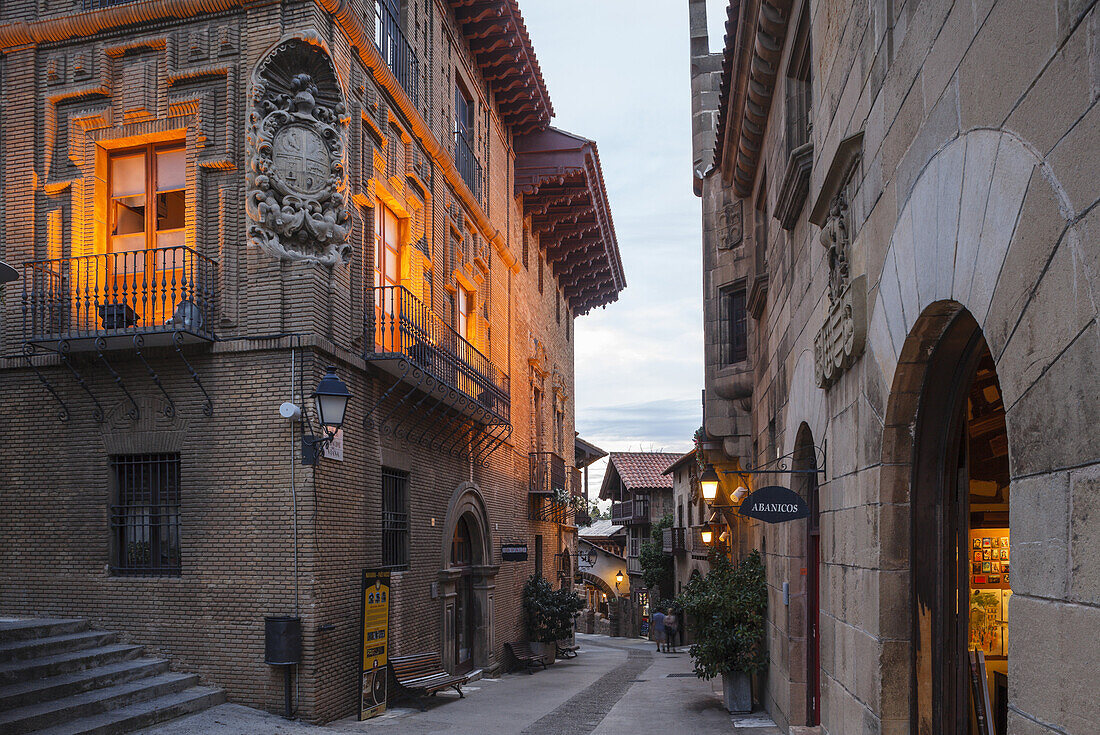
(63,353)
(781,465)
(100,345)
(170,409)
(28,351)
(208,404)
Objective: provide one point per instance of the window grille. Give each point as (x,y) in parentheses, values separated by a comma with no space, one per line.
(733,326)
(395,519)
(145,516)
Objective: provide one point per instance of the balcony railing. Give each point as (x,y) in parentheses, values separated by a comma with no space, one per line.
(548,509)
(630,511)
(142,292)
(673,540)
(395,49)
(546,473)
(468,166)
(402,325)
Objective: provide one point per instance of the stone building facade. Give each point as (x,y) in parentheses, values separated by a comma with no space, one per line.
(370,185)
(901,279)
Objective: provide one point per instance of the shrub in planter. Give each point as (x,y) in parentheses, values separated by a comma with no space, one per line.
(727,610)
(548,613)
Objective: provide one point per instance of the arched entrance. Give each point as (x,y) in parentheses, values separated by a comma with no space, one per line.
(960,550)
(466,583)
(806,484)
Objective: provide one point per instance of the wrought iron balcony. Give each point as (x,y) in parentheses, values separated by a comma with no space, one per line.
(162,295)
(469,168)
(673,540)
(402,328)
(395,49)
(547,508)
(546,474)
(630,511)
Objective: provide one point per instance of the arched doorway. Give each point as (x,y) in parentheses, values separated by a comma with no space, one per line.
(960,551)
(464,606)
(806,484)
(467,583)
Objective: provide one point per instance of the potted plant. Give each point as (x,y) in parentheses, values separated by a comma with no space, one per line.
(548,614)
(727,610)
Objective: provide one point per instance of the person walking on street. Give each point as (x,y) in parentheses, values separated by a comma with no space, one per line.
(671,626)
(659,627)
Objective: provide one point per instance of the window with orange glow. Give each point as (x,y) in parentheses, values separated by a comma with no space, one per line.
(156,174)
(387,246)
(465,315)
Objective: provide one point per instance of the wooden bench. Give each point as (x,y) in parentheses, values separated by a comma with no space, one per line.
(422,675)
(523,654)
(567,651)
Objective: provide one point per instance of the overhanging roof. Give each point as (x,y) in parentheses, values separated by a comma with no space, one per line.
(585,453)
(501,46)
(561,181)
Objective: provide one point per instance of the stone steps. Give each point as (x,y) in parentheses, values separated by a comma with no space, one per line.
(58,676)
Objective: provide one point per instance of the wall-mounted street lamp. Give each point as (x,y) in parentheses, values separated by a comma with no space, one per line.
(331,402)
(619,577)
(708,484)
(706,534)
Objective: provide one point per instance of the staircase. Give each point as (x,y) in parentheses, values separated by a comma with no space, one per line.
(58,677)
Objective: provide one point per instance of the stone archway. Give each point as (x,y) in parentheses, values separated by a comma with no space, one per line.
(466,587)
(989,230)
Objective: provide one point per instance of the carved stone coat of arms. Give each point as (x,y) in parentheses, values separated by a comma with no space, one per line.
(297,184)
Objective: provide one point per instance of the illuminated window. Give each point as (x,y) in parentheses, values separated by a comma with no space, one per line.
(387,246)
(464,315)
(136,177)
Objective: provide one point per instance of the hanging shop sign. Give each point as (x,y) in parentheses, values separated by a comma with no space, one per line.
(513,552)
(774,504)
(374,642)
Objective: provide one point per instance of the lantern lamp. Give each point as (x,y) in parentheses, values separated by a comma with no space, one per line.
(708,483)
(331,403)
(706,534)
(619,577)
(331,399)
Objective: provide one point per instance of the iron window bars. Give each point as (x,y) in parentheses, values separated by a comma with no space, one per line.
(145,516)
(395,519)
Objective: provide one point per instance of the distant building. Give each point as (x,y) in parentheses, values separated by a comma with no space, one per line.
(683,541)
(641,495)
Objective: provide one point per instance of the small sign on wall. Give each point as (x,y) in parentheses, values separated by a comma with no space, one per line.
(513,552)
(774,504)
(335,448)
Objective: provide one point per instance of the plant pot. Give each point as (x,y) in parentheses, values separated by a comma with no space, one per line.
(737,692)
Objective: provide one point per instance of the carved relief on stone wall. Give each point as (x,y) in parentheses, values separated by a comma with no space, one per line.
(840,341)
(729,229)
(297,128)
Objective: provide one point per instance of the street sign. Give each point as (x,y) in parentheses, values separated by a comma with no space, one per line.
(774,504)
(374,642)
(513,552)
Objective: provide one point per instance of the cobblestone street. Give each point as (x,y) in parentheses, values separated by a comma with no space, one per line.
(615,686)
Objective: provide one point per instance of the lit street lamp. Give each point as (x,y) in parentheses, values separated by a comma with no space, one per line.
(708,483)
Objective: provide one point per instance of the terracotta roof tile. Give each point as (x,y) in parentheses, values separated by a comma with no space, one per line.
(644,470)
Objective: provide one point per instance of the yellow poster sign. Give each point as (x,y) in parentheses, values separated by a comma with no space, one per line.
(375,627)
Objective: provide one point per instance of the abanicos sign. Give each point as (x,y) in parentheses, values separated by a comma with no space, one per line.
(774,504)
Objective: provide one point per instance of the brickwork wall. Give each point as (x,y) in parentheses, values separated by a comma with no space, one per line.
(189,78)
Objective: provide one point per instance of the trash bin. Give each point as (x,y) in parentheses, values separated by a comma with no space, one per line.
(282,641)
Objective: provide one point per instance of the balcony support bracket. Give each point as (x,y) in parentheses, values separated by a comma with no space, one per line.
(403,366)
(28,351)
(498,440)
(426,384)
(170,407)
(63,353)
(208,403)
(100,346)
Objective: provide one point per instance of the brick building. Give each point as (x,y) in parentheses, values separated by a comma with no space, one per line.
(372,185)
(900,292)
